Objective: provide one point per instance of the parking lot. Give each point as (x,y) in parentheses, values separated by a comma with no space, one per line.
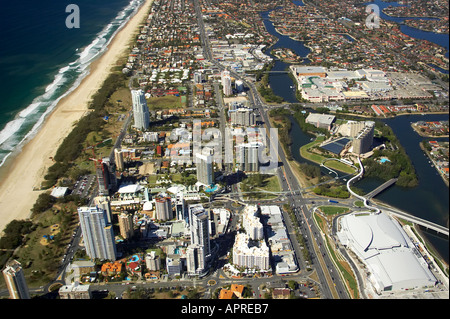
(83,185)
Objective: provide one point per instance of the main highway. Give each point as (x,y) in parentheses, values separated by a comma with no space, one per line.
(331,283)
(328,275)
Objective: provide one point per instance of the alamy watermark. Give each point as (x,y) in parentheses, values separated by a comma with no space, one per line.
(243,146)
(373,19)
(73,19)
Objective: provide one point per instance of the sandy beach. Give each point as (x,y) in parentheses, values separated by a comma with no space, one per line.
(26,170)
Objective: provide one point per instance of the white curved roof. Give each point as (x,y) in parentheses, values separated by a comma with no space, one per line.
(127,189)
(386,250)
(360,231)
(374,232)
(393,237)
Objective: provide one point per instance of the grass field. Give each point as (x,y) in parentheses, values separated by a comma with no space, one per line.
(316,158)
(333,210)
(270,183)
(40,261)
(165,102)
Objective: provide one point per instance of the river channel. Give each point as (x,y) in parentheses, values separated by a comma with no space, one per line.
(429,200)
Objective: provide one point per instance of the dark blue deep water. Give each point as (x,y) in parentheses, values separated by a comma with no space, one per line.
(41,60)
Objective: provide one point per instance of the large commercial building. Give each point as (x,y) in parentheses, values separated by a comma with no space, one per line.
(205,171)
(283,254)
(321,120)
(363,141)
(15,281)
(250,256)
(140,110)
(98,234)
(309,71)
(392,260)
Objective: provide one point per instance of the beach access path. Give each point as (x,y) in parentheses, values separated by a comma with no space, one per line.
(26,170)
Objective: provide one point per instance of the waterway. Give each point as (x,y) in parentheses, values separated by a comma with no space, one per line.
(438,38)
(282,83)
(429,200)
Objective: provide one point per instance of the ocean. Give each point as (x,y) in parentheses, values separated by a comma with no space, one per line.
(41,60)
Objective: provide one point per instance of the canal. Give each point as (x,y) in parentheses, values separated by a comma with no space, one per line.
(429,200)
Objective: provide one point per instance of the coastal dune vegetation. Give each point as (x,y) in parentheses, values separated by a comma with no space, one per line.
(72,146)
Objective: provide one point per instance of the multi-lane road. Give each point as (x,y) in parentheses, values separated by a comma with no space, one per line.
(331,284)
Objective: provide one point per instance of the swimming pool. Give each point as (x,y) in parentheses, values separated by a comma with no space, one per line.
(212,189)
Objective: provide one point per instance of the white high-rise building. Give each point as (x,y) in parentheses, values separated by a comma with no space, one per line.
(252,223)
(195,259)
(98,234)
(249,256)
(362,143)
(205,171)
(140,110)
(200,247)
(152,261)
(104,202)
(199,225)
(239,86)
(227,85)
(180,207)
(198,77)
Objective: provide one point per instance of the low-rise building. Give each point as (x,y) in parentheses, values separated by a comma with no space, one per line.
(321,120)
(75,291)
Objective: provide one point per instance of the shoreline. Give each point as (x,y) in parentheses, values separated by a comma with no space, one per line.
(26,167)
(414,127)
(434,163)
